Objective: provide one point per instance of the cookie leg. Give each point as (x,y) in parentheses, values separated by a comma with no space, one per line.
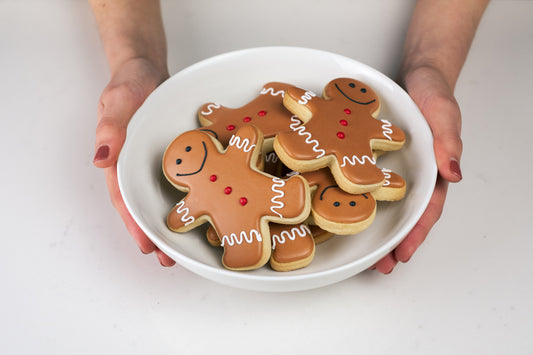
(293,247)
(246,249)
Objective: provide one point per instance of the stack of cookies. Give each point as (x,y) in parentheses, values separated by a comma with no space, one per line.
(284,172)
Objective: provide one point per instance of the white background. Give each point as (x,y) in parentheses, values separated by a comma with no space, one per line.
(74,282)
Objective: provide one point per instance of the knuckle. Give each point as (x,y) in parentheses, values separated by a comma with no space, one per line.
(125,94)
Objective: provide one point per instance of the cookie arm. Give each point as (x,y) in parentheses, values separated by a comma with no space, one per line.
(182,217)
(390,138)
(245,145)
(300,102)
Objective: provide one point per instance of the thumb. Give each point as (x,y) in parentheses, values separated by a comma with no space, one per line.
(115,109)
(435,99)
(444,117)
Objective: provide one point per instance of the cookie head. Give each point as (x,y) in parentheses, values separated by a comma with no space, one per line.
(186,156)
(337,206)
(354,92)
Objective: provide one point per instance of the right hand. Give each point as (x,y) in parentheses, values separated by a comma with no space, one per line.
(130,85)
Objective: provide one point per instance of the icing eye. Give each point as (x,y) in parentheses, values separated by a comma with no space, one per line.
(188,148)
(336,203)
(352,203)
(178,161)
(363,90)
(352,85)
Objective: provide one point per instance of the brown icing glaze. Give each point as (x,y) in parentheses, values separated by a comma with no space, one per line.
(226,189)
(393,180)
(393,188)
(339,130)
(319,235)
(291,243)
(266,112)
(334,204)
(293,246)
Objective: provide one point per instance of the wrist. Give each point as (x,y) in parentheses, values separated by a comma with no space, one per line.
(131,29)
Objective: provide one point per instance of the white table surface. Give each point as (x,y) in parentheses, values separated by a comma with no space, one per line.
(74,282)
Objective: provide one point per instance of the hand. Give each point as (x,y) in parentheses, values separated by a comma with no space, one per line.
(130,85)
(430,91)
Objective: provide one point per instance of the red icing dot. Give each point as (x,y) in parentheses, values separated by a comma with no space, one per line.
(247,119)
(347,111)
(344,122)
(243,201)
(262,113)
(230,127)
(227,190)
(213,178)
(340,135)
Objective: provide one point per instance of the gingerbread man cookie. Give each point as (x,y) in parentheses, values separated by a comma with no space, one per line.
(339,131)
(340,212)
(266,112)
(225,189)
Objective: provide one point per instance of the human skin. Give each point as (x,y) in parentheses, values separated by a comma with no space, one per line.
(135,45)
(437,44)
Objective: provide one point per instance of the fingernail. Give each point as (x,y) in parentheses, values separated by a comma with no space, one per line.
(102,153)
(455,169)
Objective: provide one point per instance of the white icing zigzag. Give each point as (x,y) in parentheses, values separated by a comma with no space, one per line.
(386,127)
(243,144)
(386,173)
(277,183)
(355,159)
(297,126)
(271,158)
(306,97)
(272,92)
(243,237)
(182,209)
(210,108)
(302,231)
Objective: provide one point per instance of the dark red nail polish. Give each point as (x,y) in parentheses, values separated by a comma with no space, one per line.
(102,153)
(456,170)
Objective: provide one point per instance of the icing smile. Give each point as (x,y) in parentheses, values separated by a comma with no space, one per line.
(352,100)
(178,161)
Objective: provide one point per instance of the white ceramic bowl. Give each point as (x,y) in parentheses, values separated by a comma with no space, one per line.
(232,80)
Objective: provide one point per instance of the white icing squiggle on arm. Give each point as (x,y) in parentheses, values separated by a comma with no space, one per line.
(386,173)
(272,92)
(355,159)
(180,208)
(306,97)
(243,144)
(243,237)
(386,127)
(210,108)
(277,183)
(286,235)
(297,127)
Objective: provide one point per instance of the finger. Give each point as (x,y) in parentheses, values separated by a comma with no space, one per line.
(144,243)
(405,250)
(164,259)
(386,265)
(117,105)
